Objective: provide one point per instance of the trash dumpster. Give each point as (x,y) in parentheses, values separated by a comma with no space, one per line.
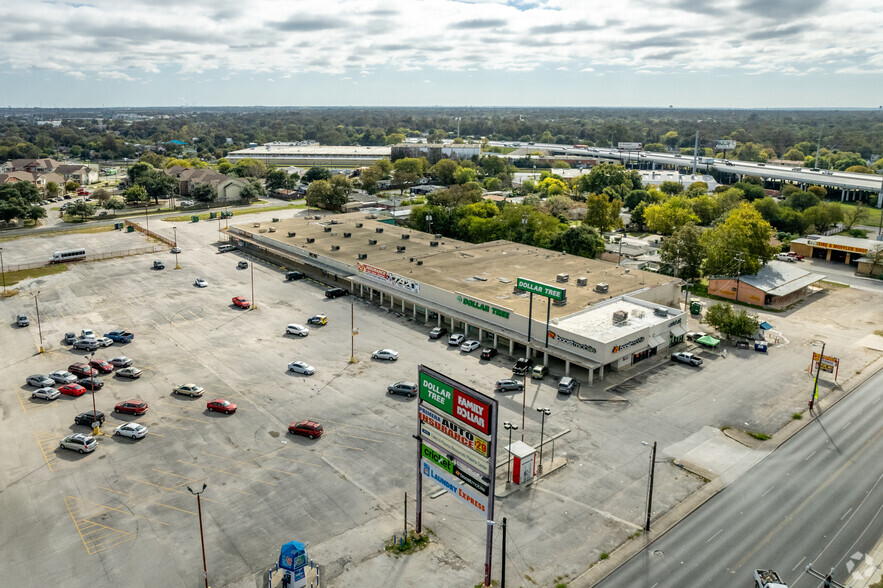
(760,346)
(695,307)
(194,218)
(212,214)
(130,229)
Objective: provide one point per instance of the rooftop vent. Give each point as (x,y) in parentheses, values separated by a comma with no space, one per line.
(433,243)
(291,233)
(378,230)
(400,248)
(335,248)
(359,225)
(327,229)
(660,311)
(406,236)
(582,281)
(383,246)
(620,316)
(317,217)
(602,288)
(562,277)
(347,235)
(372,241)
(363,256)
(333,233)
(333,222)
(419,262)
(310,240)
(438,235)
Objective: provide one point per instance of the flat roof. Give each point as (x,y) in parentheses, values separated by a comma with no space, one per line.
(303,150)
(599,321)
(487,271)
(838,240)
(778,278)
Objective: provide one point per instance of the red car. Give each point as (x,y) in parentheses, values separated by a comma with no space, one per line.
(72,390)
(101,365)
(131,407)
(796,256)
(310,429)
(221,405)
(81,369)
(241,302)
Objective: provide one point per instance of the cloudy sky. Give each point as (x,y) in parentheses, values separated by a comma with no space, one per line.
(689,53)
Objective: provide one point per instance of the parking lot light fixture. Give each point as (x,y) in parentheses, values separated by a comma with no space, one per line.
(509,426)
(39,326)
(544,412)
(175,229)
(96,426)
(2,271)
(254,303)
(201,536)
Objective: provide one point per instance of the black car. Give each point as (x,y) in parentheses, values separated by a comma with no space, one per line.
(87,418)
(242,265)
(489,353)
(158,265)
(335,293)
(522,366)
(438,333)
(294,276)
(87,383)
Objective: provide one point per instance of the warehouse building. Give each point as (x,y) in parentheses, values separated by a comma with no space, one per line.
(596,317)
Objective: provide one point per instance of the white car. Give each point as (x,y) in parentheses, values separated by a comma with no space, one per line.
(200,283)
(191,390)
(295,329)
(387,354)
(456,339)
(104,341)
(63,377)
(301,367)
(131,430)
(87,334)
(120,362)
(470,345)
(46,393)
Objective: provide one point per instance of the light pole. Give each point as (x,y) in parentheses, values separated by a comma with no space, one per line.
(96,426)
(429,222)
(254,303)
(353,332)
(39,326)
(815,388)
(175,229)
(650,484)
(503,558)
(544,412)
(2,271)
(201,537)
(509,426)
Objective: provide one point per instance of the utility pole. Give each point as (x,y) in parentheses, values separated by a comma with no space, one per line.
(503,558)
(696,152)
(544,412)
(201,537)
(39,326)
(650,487)
(818,148)
(509,426)
(254,303)
(815,387)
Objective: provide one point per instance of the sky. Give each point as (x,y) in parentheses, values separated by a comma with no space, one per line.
(685,53)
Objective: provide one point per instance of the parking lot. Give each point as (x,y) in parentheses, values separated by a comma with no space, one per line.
(125,510)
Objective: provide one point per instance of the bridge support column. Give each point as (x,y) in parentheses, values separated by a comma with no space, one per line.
(842,195)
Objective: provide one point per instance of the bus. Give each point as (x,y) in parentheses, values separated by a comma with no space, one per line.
(69,255)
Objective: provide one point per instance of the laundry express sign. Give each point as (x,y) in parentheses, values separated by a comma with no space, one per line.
(546,290)
(455,402)
(584,346)
(483,306)
(381,275)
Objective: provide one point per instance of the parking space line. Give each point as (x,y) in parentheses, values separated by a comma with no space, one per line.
(229,458)
(125,512)
(228,473)
(166,488)
(280,471)
(385,433)
(175,427)
(176,475)
(81,524)
(175,508)
(356,437)
(43,451)
(180,416)
(115,491)
(272,455)
(348,447)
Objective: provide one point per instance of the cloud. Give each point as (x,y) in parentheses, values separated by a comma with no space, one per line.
(115,75)
(775,32)
(781,8)
(309,24)
(76,74)
(579,26)
(480,23)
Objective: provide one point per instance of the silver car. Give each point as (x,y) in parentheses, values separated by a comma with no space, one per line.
(87,344)
(120,362)
(295,329)
(131,430)
(191,390)
(200,283)
(387,354)
(79,442)
(46,393)
(301,367)
(40,381)
(63,377)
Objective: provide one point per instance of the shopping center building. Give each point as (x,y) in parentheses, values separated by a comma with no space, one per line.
(600,316)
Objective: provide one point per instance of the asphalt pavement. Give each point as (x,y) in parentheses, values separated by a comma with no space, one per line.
(818,499)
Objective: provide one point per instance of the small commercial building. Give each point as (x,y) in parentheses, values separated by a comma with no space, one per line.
(585,315)
(777,284)
(285,154)
(836,248)
(435,152)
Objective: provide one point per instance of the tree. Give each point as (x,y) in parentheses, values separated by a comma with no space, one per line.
(153,159)
(801,200)
(136,193)
(101,195)
(552,186)
(253,190)
(462,175)
(670,188)
(668,217)
(204,192)
(52,189)
(819,191)
(493,184)
(316,173)
(855,215)
(634,198)
(730,322)
(558,206)
(250,168)
(823,215)
(606,175)
(71,186)
(875,256)
(684,252)
(369,178)
(138,171)
(158,184)
(114,204)
(859,169)
(81,209)
(706,208)
(329,194)
(457,195)
(318,193)
(34,213)
(638,215)
(794,154)
(740,244)
(751,190)
(579,240)
(768,209)
(443,172)
(602,213)
(277,179)
(413,165)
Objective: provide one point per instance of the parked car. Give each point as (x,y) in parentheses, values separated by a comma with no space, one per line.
(456,339)
(301,367)
(438,332)
(46,393)
(120,336)
(69,338)
(87,334)
(158,265)
(687,358)
(310,429)
(87,418)
(200,283)
(290,276)
(795,255)
(91,383)
(567,385)
(175,250)
(317,319)
(130,372)
(131,430)
(295,329)
(87,344)
(470,346)
(72,389)
(102,366)
(785,257)
(387,354)
(221,405)
(40,381)
(63,377)
(79,442)
(507,385)
(22,320)
(539,372)
(241,302)
(191,390)
(120,362)
(694,335)
(136,407)
(242,265)
(82,370)
(335,293)
(408,389)
(522,365)
(489,353)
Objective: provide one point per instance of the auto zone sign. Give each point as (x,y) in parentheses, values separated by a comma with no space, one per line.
(389,278)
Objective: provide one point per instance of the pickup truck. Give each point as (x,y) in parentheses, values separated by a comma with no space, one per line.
(522,366)
(768,579)
(120,336)
(685,357)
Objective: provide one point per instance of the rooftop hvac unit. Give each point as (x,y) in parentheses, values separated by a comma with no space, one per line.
(400,248)
(562,277)
(317,217)
(582,281)
(620,316)
(378,230)
(438,235)
(333,221)
(433,243)
(660,311)
(327,229)
(406,236)
(335,247)
(372,241)
(363,256)
(419,262)
(359,225)
(333,233)
(602,288)
(291,233)
(383,246)
(411,259)
(310,240)
(347,235)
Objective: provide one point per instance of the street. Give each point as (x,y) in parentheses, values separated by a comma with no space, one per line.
(817,499)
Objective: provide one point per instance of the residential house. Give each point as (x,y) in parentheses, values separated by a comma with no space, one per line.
(82,174)
(229,188)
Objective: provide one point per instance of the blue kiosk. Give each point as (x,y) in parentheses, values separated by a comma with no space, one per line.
(293,558)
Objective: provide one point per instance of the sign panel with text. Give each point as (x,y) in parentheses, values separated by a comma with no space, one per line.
(725,145)
(454,486)
(553,292)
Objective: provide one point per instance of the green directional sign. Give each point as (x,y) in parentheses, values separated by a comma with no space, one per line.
(436,393)
(438,459)
(542,289)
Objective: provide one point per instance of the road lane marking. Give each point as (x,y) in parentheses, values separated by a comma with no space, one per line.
(798,563)
(166,488)
(846,425)
(846,513)
(348,447)
(229,458)
(125,512)
(188,480)
(877,399)
(710,539)
(82,524)
(767,491)
(809,456)
(175,508)
(40,445)
(115,491)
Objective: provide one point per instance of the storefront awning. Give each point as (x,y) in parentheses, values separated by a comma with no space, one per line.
(656,341)
(678,331)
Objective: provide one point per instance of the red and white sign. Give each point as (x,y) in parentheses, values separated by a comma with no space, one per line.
(381,275)
(472,411)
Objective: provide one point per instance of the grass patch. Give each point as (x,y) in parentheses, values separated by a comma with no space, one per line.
(834,284)
(873,218)
(205,216)
(91,229)
(605,555)
(496,149)
(399,545)
(759,436)
(797,416)
(38,272)
(700,288)
(879,332)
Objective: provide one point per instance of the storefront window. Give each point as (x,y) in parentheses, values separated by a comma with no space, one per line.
(642,355)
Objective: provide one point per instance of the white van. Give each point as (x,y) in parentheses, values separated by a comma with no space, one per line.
(226,248)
